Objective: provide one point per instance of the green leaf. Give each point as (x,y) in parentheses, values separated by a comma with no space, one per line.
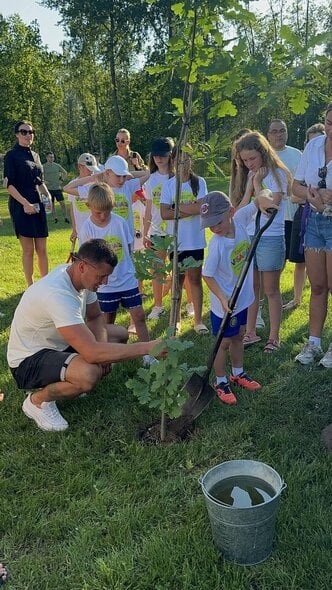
(178,103)
(288,35)
(298,102)
(178,8)
(226,107)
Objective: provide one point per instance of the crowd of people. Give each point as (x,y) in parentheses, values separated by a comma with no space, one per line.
(65,345)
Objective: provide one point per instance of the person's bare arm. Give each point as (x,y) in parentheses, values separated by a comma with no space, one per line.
(72,187)
(166,212)
(299,190)
(214,288)
(142,175)
(93,352)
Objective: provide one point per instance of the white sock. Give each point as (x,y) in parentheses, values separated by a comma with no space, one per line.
(222,379)
(314,340)
(237,371)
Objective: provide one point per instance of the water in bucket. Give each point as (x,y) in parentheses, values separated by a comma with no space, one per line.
(242,491)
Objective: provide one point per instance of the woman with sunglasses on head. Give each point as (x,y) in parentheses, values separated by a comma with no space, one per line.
(191,238)
(258,167)
(133,159)
(24,181)
(313,185)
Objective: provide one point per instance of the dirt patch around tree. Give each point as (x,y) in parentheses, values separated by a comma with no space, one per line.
(177,430)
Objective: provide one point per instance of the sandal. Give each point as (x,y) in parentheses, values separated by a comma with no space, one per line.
(3,574)
(271,346)
(250,339)
(201,329)
(290,305)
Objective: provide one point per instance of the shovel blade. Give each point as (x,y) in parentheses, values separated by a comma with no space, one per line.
(200,394)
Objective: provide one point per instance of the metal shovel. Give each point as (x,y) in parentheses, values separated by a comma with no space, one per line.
(198,387)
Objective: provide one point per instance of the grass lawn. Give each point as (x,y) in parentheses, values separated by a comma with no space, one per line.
(94,509)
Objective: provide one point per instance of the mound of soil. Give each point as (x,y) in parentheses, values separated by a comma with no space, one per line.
(177,430)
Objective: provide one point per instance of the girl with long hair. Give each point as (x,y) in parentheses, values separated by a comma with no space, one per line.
(191,238)
(258,167)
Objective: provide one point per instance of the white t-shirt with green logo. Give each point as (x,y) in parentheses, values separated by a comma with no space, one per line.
(117,234)
(153,188)
(191,236)
(225,260)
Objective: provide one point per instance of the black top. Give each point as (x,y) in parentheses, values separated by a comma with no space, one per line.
(23,170)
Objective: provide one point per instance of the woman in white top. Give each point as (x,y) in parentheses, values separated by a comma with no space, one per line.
(258,167)
(313,183)
(191,238)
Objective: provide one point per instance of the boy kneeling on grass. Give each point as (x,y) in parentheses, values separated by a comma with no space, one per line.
(227,252)
(122,284)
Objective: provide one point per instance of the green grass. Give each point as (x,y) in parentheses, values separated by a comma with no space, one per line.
(94,509)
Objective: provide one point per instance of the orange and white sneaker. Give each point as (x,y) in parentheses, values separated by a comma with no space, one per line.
(225,394)
(243,380)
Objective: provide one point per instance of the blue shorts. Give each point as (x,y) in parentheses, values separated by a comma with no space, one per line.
(270,253)
(109,302)
(234,326)
(318,233)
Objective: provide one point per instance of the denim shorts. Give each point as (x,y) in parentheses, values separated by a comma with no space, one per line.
(270,253)
(234,325)
(109,302)
(318,233)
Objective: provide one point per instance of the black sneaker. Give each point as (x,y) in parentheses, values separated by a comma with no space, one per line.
(67,220)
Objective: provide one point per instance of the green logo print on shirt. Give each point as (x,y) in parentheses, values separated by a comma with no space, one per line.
(121,206)
(238,256)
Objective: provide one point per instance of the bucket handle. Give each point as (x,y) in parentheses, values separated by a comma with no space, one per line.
(283,487)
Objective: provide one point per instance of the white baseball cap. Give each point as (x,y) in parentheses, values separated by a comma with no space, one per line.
(118,165)
(89,161)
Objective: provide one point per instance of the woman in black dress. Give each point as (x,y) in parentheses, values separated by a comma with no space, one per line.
(24,181)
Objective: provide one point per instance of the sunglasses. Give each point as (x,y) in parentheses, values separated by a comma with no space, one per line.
(322,172)
(120,140)
(26,131)
(75,257)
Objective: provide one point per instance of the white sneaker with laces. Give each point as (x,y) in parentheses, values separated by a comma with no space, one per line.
(155,313)
(326,361)
(308,353)
(47,417)
(190,310)
(259,320)
(149,360)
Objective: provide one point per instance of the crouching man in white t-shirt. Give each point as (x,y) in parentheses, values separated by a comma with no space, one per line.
(59,343)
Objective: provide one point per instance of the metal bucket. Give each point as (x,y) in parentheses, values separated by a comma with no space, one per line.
(243,535)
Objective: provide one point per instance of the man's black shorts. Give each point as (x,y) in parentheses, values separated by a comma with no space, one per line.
(42,368)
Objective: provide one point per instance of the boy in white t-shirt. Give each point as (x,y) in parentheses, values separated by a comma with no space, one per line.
(227,252)
(122,286)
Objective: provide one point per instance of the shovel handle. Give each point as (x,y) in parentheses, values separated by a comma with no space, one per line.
(71,252)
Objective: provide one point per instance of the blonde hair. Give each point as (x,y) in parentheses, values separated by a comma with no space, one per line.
(101,197)
(254,141)
(123,130)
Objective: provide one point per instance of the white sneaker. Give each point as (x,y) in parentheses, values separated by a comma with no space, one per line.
(326,361)
(149,360)
(190,310)
(259,320)
(155,313)
(132,329)
(47,417)
(309,353)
